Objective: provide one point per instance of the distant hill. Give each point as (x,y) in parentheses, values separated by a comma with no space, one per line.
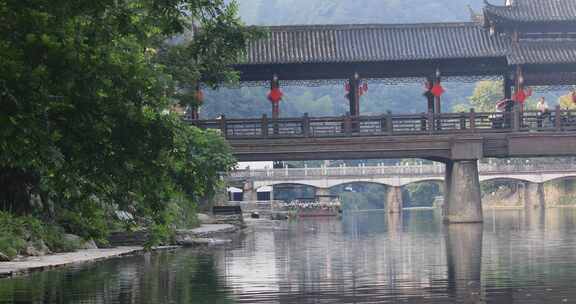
(282,12)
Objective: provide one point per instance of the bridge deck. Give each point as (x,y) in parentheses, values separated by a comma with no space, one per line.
(429,136)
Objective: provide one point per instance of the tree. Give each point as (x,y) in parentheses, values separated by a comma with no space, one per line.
(486,95)
(566,101)
(85,88)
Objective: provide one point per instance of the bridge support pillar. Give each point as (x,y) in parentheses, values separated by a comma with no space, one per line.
(249,194)
(394,202)
(323,194)
(534,196)
(463,203)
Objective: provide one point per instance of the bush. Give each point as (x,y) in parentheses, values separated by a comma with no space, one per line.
(16,232)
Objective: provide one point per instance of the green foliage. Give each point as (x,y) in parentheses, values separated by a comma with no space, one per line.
(85,92)
(566,102)
(486,95)
(423,193)
(17,231)
(365,196)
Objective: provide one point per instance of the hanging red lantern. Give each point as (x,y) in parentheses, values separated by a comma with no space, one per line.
(437,90)
(520,96)
(275,95)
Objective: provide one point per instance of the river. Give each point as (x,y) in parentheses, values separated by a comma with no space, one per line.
(371,257)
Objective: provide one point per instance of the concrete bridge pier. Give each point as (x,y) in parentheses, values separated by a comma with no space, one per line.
(323,193)
(463,200)
(534,196)
(394,201)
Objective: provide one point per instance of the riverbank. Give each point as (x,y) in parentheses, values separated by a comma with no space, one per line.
(29,265)
(209,234)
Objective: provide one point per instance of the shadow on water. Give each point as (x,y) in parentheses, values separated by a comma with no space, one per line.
(519,256)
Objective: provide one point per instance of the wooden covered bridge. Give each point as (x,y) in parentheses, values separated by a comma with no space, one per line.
(523,43)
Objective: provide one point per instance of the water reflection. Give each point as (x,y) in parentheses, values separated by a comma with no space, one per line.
(520,256)
(464,251)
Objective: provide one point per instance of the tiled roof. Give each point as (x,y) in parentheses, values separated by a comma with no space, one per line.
(533,11)
(543,52)
(374,42)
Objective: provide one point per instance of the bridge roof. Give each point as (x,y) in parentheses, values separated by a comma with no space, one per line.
(557,51)
(547,44)
(374,42)
(533,11)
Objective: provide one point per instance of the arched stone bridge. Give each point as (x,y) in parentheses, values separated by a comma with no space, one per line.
(395,177)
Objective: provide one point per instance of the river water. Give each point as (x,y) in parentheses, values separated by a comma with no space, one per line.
(514,257)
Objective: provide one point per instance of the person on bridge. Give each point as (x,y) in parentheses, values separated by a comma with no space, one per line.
(543,111)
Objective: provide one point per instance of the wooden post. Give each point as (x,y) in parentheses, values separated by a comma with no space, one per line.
(472,120)
(223,126)
(264,125)
(507,86)
(429,95)
(389,123)
(306,125)
(558,118)
(275,84)
(347,125)
(430,122)
(383,123)
(437,100)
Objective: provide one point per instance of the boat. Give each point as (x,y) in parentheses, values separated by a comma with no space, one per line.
(319,206)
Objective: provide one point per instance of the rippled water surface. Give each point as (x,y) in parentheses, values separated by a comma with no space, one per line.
(515,257)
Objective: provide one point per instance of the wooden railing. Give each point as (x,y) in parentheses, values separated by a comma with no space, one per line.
(389,124)
(523,167)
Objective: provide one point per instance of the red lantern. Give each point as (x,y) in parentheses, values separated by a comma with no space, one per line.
(520,96)
(574,97)
(275,95)
(437,90)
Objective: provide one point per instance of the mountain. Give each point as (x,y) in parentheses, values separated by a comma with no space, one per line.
(283,12)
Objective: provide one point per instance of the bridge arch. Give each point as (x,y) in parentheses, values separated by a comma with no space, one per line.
(361,182)
(504,178)
(560,178)
(261,184)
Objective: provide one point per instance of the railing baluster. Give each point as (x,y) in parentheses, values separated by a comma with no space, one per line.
(223,126)
(264,131)
(472,120)
(389,123)
(306,125)
(430,117)
(558,118)
(516,120)
(348,125)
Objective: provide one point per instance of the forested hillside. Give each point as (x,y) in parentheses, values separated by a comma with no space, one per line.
(330,100)
(279,12)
